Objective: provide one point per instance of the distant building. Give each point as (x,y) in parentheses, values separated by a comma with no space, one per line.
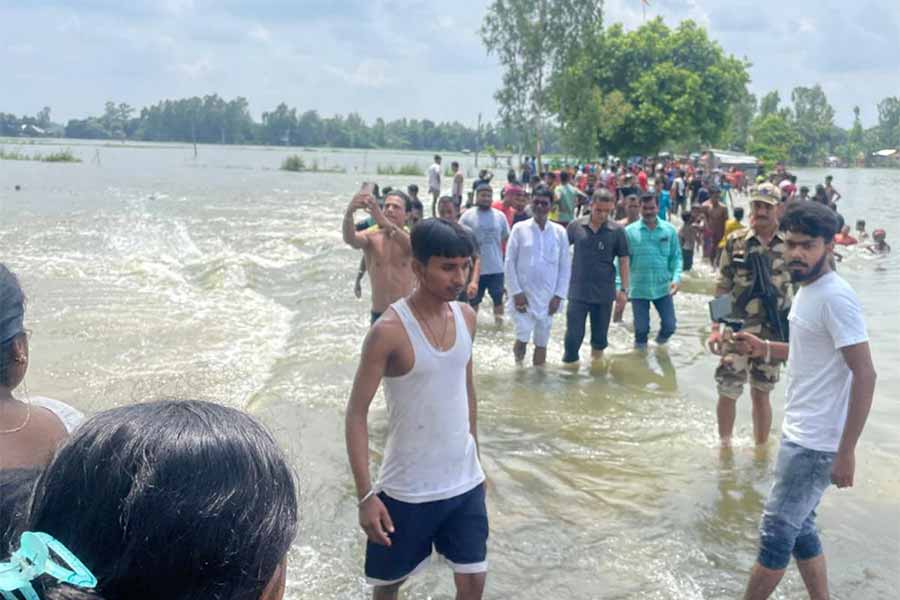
(29,129)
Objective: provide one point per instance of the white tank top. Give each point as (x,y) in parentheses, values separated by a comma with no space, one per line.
(430,453)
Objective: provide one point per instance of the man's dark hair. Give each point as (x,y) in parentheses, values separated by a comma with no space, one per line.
(686,216)
(412,189)
(437,157)
(602,195)
(648,197)
(438,237)
(738,213)
(175,499)
(454,164)
(511,176)
(416,205)
(535,179)
(542,191)
(15,490)
(407,203)
(812,219)
(564,177)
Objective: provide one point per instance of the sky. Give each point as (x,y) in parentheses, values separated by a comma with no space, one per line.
(394,58)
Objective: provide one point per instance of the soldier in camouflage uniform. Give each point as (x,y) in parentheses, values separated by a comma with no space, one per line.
(737,275)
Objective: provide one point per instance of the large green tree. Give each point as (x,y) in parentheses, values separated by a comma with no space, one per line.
(631,92)
(534,40)
(740,117)
(889,122)
(772,138)
(813,120)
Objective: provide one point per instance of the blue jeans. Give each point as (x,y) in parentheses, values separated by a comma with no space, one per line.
(789,517)
(576,314)
(665,307)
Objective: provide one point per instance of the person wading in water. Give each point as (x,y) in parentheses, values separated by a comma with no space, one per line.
(430,491)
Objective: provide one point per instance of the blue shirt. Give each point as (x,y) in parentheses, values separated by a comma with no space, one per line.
(663,204)
(655,259)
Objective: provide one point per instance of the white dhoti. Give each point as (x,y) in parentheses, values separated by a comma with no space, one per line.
(538,266)
(528,324)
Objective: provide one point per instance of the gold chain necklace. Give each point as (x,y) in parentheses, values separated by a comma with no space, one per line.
(24,423)
(438,343)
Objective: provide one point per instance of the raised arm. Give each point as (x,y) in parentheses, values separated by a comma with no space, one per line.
(398,235)
(353,238)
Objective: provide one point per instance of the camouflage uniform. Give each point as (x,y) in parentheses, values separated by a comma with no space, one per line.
(735,277)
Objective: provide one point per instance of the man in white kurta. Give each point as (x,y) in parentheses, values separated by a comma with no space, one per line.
(538,268)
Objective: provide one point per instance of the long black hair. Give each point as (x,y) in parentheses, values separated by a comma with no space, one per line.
(174,499)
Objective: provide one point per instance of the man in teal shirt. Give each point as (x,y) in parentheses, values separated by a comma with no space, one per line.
(655,271)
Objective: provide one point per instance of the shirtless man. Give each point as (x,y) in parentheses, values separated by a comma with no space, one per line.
(716,217)
(830,192)
(387,250)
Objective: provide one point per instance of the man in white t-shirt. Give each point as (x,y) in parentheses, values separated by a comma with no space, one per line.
(434,183)
(491,230)
(829,393)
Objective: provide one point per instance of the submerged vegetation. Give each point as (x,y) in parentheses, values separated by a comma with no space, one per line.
(296,164)
(58,156)
(411,169)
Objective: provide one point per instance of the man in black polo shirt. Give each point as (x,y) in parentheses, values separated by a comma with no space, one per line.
(597,241)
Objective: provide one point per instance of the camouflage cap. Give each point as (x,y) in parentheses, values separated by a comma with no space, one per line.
(766,193)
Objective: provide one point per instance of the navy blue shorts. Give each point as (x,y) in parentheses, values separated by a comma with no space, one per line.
(456,527)
(493,285)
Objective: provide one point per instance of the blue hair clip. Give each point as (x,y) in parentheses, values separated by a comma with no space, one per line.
(33,559)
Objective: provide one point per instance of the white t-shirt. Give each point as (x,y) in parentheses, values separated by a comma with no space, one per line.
(491,230)
(434,178)
(825,316)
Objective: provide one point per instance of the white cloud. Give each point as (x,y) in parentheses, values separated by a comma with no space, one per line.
(197,69)
(370,73)
(260,34)
(68,23)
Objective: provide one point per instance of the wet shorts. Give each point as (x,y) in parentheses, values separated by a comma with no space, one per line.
(789,517)
(733,371)
(493,285)
(456,527)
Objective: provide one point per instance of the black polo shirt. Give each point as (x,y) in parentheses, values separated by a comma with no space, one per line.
(593,272)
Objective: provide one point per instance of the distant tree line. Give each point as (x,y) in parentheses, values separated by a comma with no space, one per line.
(804,132)
(212,119)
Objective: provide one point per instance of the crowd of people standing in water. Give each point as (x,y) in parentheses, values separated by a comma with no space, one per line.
(188,499)
(588,241)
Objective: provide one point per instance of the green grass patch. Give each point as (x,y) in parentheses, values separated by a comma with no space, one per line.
(59,156)
(406,169)
(296,164)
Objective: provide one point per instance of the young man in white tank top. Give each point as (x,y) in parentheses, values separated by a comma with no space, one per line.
(430,490)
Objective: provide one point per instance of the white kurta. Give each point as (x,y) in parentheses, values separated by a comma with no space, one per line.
(538,263)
